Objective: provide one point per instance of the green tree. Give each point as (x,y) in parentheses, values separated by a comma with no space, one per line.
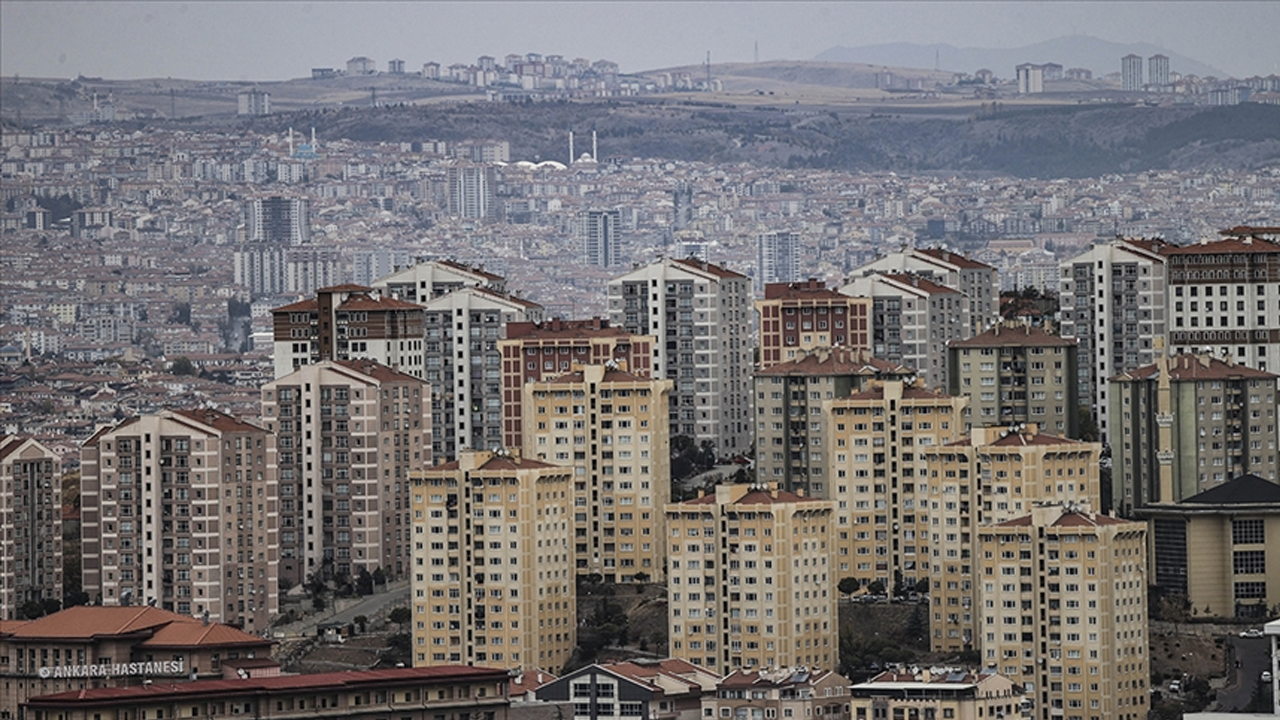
(849,585)
(876,587)
(361,621)
(182,366)
(400,615)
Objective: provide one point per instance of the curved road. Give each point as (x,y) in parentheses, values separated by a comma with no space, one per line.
(1254,656)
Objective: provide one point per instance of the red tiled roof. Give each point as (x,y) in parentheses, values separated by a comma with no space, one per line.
(344,288)
(87,621)
(923,284)
(1020,439)
(469,269)
(956,259)
(218,420)
(500,462)
(308,305)
(711,268)
(837,361)
(376,370)
(194,632)
(802,290)
(365,302)
(1186,366)
(557,328)
(313,681)
(755,497)
(1021,336)
(908,393)
(1230,244)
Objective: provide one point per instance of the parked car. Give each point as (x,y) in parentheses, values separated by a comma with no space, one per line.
(1175,686)
(1266,676)
(1251,633)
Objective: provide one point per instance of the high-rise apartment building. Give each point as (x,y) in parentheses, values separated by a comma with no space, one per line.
(1030,78)
(912,320)
(274,225)
(1224,296)
(1113,302)
(791,423)
(1064,611)
(464,365)
(493,580)
(682,206)
(611,426)
(31,515)
(1219,550)
(253,102)
(1188,423)
(700,315)
(992,475)
(348,433)
(751,583)
(798,317)
(777,258)
(471,191)
(1131,73)
(881,483)
(430,279)
(178,510)
(277,219)
(1017,374)
(1158,71)
(348,322)
(978,282)
(541,351)
(600,232)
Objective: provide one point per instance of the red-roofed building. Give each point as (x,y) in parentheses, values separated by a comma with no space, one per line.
(611,426)
(668,689)
(798,317)
(347,322)
(978,282)
(736,555)
(539,351)
(348,434)
(786,692)
(406,693)
(164,498)
(110,651)
(938,693)
(493,557)
(700,314)
(31,518)
(1065,595)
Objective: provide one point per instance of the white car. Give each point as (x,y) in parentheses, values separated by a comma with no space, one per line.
(1266,676)
(1252,633)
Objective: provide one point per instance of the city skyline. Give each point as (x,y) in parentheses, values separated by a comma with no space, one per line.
(281,40)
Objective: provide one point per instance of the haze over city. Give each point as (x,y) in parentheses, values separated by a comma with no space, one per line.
(278,40)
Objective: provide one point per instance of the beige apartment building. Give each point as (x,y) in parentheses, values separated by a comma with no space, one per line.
(927,693)
(1064,611)
(31,515)
(611,426)
(1186,424)
(993,475)
(178,509)
(348,434)
(1219,549)
(493,579)
(790,421)
(796,318)
(750,583)
(786,692)
(881,484)
(1017,374)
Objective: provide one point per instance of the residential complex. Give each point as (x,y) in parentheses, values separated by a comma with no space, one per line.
(784,692)
(978,282)
(777,258)
(611,427)
(882,486)
(1014,375)
(949,694)
(600,232)
(540,351)
(179,511)
(700,315)
(669,689)
(791,419)
(493,581)
(1188,423)
(1064,611)
(1219,550)
(797,317)
(347,435)
(31,515)
(348,322)
(751,582)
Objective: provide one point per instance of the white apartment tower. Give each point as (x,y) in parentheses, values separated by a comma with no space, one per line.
(700,314)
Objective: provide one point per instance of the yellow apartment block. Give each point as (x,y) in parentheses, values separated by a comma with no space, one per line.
(493,576)
(995,474)
(612,427)
(750,583)
(878,439)
(1064,611)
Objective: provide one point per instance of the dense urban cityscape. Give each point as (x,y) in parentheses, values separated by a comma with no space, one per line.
(295,425)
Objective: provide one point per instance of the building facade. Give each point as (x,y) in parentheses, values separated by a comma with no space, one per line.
(1186,424)
(600,232)
(178,510)
(541,351)
(750,582)
(611,426)
(798,317)
(31,515)
(348,322)
(791,422)
(1017,374)
(786,692)
(1131,73)
(777,258)
(668,689)
(493,579)
(1064,611)
(956,694)
(348,434)
(471,191)
(429,279)
(978,282)
(700,315)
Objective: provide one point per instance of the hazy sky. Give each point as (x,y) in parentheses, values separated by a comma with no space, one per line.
(265,40)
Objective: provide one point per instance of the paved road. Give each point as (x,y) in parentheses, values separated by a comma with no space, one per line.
(395,595)
(1254,656)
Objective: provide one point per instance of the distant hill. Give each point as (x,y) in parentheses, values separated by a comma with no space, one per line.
(1100,56)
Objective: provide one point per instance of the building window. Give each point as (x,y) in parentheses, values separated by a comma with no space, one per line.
(1247,531)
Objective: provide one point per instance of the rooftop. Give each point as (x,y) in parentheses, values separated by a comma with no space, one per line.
(1021,335)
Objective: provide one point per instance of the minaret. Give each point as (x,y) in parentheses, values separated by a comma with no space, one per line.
(571,158)
(314,146)
(594,156)
(290,141)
